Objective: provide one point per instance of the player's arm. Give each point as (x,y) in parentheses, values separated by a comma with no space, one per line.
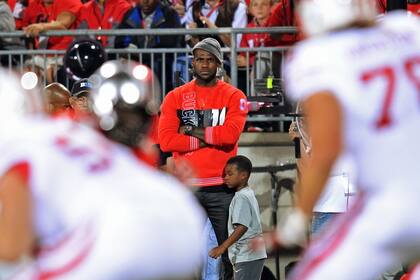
(235,236)
(16,232)
(324,119)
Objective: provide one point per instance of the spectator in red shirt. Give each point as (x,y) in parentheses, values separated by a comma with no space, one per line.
(281,15)
(200,123)
(18,7)
(103,14)
(260,9)
(63,16)
(38,11)
(11,3)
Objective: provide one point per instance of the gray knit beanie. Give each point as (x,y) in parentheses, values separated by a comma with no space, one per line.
(212,46)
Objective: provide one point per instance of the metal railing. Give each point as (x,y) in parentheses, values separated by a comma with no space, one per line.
(232,50)
(246,81)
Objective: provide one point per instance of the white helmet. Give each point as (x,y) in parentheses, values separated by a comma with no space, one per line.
(18,98)
(319,16)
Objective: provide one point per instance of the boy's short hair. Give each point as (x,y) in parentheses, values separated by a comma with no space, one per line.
(242,163)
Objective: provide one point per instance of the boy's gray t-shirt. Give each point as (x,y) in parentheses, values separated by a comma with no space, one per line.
(244,210)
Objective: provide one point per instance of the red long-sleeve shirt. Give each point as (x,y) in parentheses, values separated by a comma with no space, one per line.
(58,7)
(252,40)
(281,15)
(221,110)
(36,12)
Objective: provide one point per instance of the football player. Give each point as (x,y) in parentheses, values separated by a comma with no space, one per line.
(80,203)
(359,83)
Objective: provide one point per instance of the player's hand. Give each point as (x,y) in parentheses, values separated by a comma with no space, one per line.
(269,241)
(292,232)
(181,170)
(216,252)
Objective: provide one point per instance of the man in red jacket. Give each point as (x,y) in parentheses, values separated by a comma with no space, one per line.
(282,14)
(103,14)
(38,11)
(200,123)
(64,14)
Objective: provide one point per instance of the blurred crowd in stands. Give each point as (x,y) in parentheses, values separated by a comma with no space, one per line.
(37,16)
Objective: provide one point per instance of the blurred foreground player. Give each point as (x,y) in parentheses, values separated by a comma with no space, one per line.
(359,82)
(82,205)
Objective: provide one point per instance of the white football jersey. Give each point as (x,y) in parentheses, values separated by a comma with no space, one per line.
(375,75)
(100,213)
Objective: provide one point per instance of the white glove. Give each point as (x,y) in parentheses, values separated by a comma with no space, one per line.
(294,229)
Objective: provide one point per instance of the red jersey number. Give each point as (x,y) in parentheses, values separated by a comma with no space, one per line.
(389,74)
(93,161)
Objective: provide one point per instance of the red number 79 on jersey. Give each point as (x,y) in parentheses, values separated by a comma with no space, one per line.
(411,65)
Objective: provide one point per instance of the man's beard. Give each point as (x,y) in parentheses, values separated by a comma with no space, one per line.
(208,79)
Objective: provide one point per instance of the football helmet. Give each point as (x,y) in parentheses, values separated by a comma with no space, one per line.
(124,99)
(83,57)
(320,16)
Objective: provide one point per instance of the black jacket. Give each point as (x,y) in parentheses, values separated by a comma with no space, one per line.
(164,17)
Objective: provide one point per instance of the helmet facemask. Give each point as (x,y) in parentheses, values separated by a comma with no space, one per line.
(132,124)
(123,101)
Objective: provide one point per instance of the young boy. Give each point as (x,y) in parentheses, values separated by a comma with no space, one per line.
(244,223)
